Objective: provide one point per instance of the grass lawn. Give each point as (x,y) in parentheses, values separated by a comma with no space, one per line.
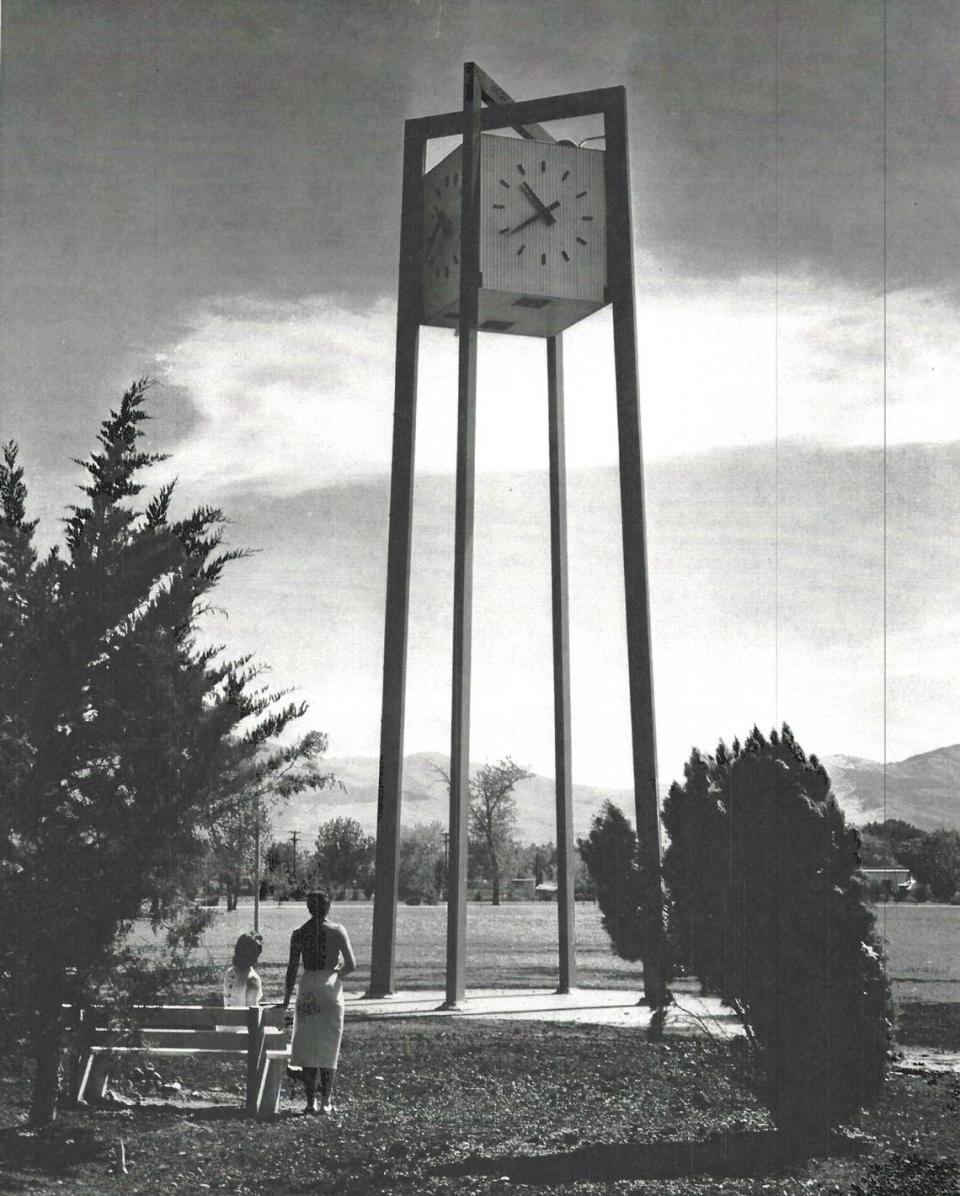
(492,1106)
(515,945)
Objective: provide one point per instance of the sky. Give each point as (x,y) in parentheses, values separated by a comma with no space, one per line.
(208,193)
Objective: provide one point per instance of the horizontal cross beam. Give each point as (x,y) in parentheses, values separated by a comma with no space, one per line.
(527,113)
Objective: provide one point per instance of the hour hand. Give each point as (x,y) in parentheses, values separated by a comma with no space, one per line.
(544,215)
(542,208)
(434,233)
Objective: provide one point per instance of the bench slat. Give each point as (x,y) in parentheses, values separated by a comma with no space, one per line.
(202,1040)
(178,1052)
(173,1016)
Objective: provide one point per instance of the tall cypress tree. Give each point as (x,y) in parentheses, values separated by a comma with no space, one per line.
(767,905)
(122,741)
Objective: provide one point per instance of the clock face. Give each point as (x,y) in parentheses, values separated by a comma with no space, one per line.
(441,229)
(542,219)
(546,221)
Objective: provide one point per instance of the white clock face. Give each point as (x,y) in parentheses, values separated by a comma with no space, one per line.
(542,226)
(547,220)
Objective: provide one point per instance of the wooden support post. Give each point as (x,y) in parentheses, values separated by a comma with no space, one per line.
(463,541)
(398,570)
(561,667)
(621,290)
(256,1057)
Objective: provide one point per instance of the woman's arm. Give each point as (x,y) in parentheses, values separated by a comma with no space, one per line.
(292,967)
(349,959)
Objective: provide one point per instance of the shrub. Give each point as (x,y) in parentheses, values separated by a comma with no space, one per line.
(767,907)
(612,858)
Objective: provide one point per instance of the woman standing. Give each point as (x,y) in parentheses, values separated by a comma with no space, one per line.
(318,1017)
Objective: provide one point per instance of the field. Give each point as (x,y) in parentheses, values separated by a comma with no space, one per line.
(514,945)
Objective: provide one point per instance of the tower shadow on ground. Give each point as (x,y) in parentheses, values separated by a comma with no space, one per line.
(722,1156)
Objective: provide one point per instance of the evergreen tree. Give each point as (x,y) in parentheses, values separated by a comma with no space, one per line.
(122,741)
(767,904)
(610,854)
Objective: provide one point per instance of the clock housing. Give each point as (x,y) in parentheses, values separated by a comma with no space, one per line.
(542,237)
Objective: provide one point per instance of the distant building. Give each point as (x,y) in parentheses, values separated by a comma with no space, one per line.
(522,888)
(888,882)
(526,888)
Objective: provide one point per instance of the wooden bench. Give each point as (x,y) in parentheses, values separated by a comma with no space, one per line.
(256,1034)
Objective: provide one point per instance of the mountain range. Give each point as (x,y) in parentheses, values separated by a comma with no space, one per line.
(923,790)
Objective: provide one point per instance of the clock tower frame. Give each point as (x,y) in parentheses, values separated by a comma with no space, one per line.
(524,117)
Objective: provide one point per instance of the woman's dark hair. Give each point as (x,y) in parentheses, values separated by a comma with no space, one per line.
(318,902)
(247,950)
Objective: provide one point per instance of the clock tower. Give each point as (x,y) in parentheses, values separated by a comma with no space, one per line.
(521,235)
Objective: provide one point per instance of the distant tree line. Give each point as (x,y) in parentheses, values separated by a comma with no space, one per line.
(933,857)
(343,856)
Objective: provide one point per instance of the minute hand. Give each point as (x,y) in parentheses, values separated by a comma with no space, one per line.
(544,215)
(538,203)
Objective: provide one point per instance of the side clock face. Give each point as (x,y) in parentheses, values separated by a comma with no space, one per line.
(441,227)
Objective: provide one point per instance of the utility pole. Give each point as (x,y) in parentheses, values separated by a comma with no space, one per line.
(257,864)
(294,835)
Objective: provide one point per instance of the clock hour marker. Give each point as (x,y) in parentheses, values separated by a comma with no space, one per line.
(565,255)
(586,217)
(520,168)
(504,183)
(543,259)
(581,194)
(581,241)
(520,250)
(499,205)
(543,165)
(564,176)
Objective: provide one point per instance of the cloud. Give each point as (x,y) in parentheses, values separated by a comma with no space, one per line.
(293,396)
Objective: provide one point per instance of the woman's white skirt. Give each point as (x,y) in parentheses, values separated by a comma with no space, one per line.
(318,1020)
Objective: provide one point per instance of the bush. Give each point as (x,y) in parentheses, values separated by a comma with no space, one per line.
(767,907)
(610,854)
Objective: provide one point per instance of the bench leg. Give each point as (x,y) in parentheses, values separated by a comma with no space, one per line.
(96,1077)
(269,1096)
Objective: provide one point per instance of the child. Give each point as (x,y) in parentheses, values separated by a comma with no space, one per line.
(241,984)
